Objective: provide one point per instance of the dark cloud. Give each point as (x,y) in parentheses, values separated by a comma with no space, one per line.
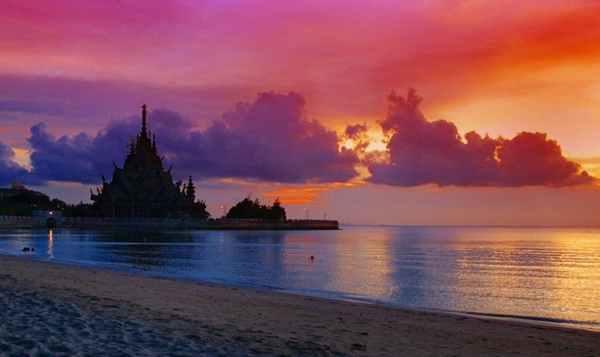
(421,152)
(532,159)
(353,131)
(82,157)
(10,170)
(358,134)
(271,139)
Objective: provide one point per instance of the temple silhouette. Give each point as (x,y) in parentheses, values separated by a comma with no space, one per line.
(143,188)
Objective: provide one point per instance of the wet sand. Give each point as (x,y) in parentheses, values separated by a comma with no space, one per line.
(49,308)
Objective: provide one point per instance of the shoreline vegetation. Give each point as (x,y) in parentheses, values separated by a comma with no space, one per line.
(52,307)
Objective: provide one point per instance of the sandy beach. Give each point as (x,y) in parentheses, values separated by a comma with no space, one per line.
(49,308)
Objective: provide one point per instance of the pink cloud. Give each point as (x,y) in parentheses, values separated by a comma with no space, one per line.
(432,152)
(532,159)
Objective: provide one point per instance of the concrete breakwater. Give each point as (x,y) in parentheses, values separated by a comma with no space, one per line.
(202,223)
(18,221)
(48,219)
(183,223)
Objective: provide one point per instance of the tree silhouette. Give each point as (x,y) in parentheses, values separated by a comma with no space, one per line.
(277,210)
(190,190)
(247,208)
(198,210)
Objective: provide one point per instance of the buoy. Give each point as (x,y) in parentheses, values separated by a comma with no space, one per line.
(312,257)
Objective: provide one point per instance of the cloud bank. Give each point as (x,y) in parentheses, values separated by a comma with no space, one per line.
(270,140)
(421,152)
(79,158)
(9,170)
(273,140)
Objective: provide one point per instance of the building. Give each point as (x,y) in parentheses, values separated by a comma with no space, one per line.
(143,188)
(50,219)
(16,188)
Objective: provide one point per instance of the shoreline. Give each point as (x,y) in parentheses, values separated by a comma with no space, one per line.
(592,326)
(533,320)
(57,221)
(245,321)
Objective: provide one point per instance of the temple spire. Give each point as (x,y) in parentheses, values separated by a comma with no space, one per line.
(144,133)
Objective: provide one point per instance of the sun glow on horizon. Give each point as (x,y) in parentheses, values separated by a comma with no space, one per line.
(306,195)
(372,140)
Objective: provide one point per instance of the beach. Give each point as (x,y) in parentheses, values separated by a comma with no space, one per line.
(50,308)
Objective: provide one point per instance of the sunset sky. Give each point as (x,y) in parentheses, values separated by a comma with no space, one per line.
(368,112)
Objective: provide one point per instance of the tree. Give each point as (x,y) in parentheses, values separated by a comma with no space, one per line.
(198,210)
(24,203)
(57,205)
(243,209)
(277,210)
(79,210)
(247,208)
(190,190)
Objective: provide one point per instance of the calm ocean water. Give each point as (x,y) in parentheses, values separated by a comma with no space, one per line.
(542,274)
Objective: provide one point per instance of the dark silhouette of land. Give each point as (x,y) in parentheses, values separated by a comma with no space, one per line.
(142,194)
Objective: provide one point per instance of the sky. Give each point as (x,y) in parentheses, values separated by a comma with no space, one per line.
(367,112)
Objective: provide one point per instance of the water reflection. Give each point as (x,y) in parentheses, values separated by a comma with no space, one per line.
(50,243)
(254,257)
(534,272)
(530,274)
(362,266)
(147,250)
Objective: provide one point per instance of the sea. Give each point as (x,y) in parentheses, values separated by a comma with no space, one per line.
(543,275)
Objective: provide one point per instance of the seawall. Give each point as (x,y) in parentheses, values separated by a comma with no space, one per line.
(18,221)
(182,223)
(201,223)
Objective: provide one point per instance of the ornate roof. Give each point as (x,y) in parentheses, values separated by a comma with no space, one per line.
(142,188)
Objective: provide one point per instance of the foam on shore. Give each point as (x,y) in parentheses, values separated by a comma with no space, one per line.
(53,308)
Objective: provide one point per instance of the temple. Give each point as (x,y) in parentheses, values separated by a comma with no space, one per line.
(142,188)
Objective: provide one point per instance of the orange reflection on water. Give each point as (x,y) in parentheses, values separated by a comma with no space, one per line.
(364,266)
(50,244)
(576,273)
(555,269)
(360,267)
